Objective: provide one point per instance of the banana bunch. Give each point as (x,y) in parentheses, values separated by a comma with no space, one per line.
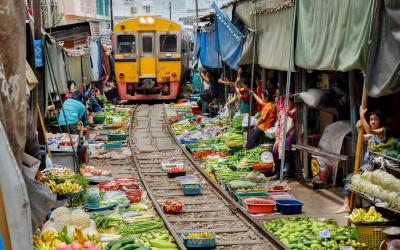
(66,187)
(359,215)
(199,235)
(46,241)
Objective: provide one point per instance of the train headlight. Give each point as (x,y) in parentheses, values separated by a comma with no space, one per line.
(174,74)
(142,20)
(150,20)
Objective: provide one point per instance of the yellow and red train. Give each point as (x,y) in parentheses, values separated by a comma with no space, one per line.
(149,54)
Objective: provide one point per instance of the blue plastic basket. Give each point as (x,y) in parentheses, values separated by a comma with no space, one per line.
(199,242)
(289,206)
(191,189)
(187,141)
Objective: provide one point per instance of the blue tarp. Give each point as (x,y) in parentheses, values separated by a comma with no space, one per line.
(219,42)
(229,39)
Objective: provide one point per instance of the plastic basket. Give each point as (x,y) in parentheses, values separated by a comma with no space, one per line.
(98,119)
(188,179)
(175,174)
(255,208)
(117,137)
(191,189)
(371,235)
(196,110)
(289,206)
(199,242)
(112,145)
(169,165)
(239,195)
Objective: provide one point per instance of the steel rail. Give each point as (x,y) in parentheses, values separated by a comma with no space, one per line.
(160,212)
(233,205)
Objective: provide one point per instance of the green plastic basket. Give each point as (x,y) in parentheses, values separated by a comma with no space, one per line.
(117,137)
(99,119)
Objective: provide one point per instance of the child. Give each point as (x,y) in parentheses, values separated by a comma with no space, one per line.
(375,134)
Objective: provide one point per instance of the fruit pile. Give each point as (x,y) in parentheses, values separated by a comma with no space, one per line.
(200,235)
(66,187)
(359,215)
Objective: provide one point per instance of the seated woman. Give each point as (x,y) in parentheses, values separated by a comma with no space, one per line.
(375,134)
(289,167)
(266,121)
(71,112)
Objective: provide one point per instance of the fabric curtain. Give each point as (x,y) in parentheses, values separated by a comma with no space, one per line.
(78,66)
(55,74)
(382,77)
(94,57)
(243,11)
(273,39)
(332,35)
(229,39)
(208,48)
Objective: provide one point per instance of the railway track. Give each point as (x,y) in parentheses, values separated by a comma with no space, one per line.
(152,143)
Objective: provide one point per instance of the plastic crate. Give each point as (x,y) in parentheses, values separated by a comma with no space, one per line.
(188,179)
(199,242)
(289,206)
(168,165)
(188,140)
(239,195)
(371,235)
(191,189)
(117,137)
(255,208)
(175,174)
(99,119)
(112,145)
(196,110)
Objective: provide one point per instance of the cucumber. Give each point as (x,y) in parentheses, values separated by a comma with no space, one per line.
(116,246)
(130,247)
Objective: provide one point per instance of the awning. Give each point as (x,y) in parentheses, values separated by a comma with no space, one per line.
(229,39)
(273,39)
(273,32)
(207,50)
(382,75)
(332,35)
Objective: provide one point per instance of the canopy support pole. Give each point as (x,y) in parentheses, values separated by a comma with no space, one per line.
(305,126)
(252,75)
(287,91)
(360,140)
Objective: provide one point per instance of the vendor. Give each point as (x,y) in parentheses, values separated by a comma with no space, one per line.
(266,121)
(72,111)
(375,134)
(92,93)
(289,168)
(243,95)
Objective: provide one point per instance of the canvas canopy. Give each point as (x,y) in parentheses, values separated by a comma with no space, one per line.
(332,35)
(382,76)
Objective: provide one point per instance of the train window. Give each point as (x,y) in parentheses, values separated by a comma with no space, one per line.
(168,43)
(147,43)
(126,44)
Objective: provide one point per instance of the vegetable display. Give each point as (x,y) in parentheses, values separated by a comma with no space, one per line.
(364,183)
(308,233)
(66,187)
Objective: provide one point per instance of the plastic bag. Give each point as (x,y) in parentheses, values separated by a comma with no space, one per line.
(312,97)
(245,120)
(321,169)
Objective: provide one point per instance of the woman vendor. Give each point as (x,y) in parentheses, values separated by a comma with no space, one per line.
(243,95)
(266,121)
(71,112)
(289,167)
(375,134)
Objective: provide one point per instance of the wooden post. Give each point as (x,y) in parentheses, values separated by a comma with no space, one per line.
(5,233)
(305,125)
(44,133)
(359,144)
(39,72)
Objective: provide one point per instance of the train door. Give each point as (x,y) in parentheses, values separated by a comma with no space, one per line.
(147,55)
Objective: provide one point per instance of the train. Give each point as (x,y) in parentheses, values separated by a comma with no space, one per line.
(151,57)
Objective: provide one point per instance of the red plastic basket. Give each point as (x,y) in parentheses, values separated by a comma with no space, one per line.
(108,186)
(196,110)
(259,205)
(134,196)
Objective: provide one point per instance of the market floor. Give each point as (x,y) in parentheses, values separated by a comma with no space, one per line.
(320,203)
